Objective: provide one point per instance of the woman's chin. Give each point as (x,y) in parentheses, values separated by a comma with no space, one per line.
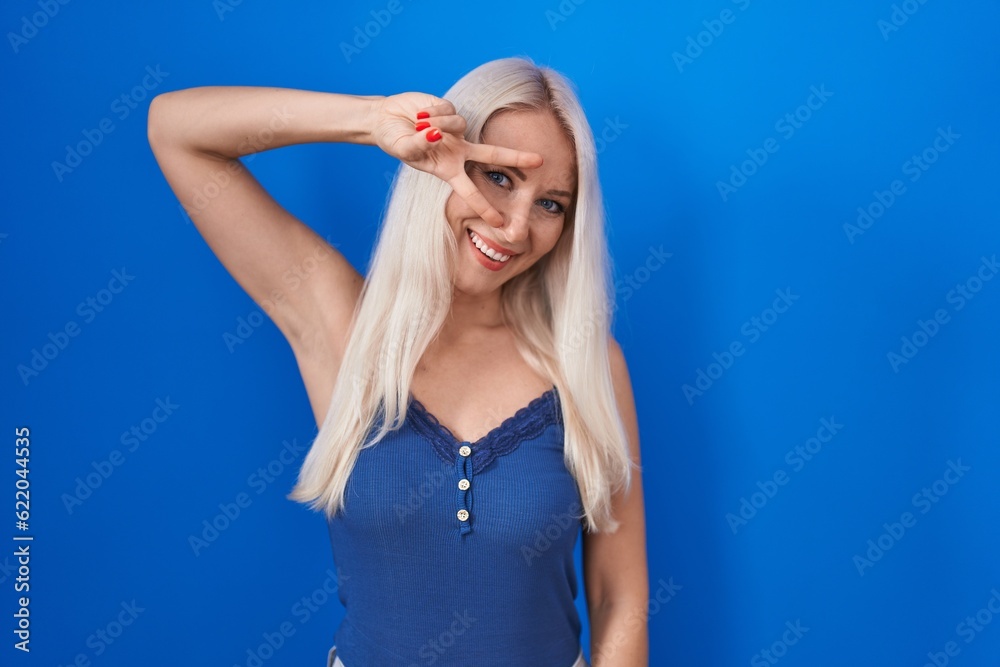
(469,284)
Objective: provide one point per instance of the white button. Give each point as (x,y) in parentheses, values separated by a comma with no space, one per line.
(465,450)
(462,515)
(463,484)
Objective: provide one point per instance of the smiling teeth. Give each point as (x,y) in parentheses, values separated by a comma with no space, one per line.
(486,250)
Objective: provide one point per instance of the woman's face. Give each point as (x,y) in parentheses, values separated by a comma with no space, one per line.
(532,202)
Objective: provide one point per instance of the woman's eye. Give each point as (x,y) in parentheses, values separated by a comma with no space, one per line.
(501,179)
(497,177)
(556,207)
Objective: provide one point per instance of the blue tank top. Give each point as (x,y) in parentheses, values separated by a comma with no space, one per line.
(460,553)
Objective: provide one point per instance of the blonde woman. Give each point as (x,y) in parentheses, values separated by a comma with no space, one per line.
(474,413)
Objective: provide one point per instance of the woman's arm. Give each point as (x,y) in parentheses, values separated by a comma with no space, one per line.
(616,575)
(305,285)
(197,136)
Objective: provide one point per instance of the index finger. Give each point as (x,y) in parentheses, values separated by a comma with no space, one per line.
(466,189)
(507,157)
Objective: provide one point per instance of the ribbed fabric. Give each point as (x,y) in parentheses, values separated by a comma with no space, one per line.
(421,586)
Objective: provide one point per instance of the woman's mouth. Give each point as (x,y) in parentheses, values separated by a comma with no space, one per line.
(487,256)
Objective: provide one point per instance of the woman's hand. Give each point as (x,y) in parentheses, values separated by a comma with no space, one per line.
(435,143)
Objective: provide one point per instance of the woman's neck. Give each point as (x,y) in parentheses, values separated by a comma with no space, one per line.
(472,312)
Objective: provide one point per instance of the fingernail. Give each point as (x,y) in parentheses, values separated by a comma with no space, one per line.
(433,135)
(423,114)
(422,126)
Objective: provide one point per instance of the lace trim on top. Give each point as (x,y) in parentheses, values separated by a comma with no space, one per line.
(525,424)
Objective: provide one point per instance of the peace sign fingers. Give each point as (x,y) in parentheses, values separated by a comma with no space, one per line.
(467,190)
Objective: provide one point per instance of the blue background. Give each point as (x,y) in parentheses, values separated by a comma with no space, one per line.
(673,130)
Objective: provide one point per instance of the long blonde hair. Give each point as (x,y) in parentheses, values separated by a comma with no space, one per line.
(559,310)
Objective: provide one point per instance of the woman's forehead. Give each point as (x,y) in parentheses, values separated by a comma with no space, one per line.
(536,131)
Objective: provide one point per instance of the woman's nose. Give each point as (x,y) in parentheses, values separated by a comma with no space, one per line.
(516,219)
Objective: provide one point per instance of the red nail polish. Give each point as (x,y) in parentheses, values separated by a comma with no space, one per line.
(433,135)
(423,125)
(423,114)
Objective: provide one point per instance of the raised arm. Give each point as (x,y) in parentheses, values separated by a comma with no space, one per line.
(198,136)
(306,286)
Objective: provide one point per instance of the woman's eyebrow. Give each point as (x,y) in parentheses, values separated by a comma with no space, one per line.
(520,174)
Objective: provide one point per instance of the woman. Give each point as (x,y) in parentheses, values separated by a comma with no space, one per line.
(474,410)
